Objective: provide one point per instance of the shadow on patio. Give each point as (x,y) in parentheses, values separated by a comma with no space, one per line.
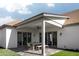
(24,51)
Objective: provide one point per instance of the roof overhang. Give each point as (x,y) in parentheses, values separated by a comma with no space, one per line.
(40,16)
(56,16)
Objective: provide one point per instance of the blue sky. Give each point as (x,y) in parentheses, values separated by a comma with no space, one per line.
(36,8)
(11,11)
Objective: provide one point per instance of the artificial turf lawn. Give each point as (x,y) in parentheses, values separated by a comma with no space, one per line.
(4,52)
(66,53)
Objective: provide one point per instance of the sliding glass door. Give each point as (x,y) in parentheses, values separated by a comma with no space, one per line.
(19,38)
(23,38)
(50,38)
(55,39)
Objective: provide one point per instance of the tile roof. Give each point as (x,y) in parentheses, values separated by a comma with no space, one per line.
(74,17)
(13,23)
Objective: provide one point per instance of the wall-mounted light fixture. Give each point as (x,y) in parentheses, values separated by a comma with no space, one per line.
(60,33)
(38,27)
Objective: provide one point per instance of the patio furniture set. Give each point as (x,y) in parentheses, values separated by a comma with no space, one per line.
(36,46)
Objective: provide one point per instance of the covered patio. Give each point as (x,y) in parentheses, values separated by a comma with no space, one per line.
(42,23)
(22,51)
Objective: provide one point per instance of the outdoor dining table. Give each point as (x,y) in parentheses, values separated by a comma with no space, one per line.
(34,44)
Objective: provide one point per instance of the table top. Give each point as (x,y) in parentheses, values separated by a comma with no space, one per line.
(35,43)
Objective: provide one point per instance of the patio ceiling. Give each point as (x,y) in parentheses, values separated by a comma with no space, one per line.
(38,23)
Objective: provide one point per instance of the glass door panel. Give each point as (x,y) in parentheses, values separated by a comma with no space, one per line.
(19,38)
(25,35)
(55,39)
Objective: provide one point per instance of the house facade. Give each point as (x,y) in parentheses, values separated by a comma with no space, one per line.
(59,31)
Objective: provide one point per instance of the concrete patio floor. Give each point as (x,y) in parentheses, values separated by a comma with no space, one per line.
(38,52)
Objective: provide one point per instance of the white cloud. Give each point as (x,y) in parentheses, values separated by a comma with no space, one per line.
(14,5)
(6,19)
(25,11)
(21,6)
(51,4)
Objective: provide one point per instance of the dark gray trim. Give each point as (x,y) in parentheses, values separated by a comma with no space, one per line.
(3,26)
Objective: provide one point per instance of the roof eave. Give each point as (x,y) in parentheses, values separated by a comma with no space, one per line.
(51,15)
(41,15)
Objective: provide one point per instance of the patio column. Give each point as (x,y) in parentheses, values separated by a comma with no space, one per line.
(43,38)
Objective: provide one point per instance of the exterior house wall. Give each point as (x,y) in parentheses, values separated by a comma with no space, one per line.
(0,38)
(11,38)
(3,38)
(28,30)
(52,29)
(35,32)
(69,38)
(35,37)
(25,30)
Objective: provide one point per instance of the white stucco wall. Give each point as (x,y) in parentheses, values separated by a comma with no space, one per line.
(0,38)
(35,34)
(69,38)
(11,38)
(3,37)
